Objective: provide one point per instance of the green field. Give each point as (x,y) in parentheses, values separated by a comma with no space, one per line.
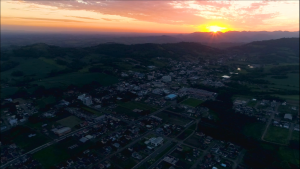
(292,82)
(5,92)
(254,130)
(45,100)
(172,118)
(59,152)
(295,135)
(78,79)
(289,157)
(136,105)
(125,111)
(192,102)
(70,121)
(185,134)
(288,97)
(38,67)
(277,135)
(92,111)
(19,136)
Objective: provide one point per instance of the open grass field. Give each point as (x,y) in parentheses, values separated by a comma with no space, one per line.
(46,100)
(277,135)
(192,102)
(38,67)
(172,118)
(70,121)
(19,136)
(193,141)
(185,134)
(127,112)
(76,79)
(254,130)
(92,111)
(289,157)
(5,92)
(295,135)
(59,152)
(292,82)
(136,105)
(288,109)
(288,97)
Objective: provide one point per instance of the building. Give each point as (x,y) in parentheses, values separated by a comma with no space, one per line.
(288,116)
(86,100)
(171,160)
(171,96)
(62,131)
(296,127)
(166,79)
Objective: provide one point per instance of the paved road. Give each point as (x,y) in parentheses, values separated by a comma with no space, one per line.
(45,145)
(136,139)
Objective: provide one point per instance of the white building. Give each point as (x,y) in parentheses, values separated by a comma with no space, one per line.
(86,100)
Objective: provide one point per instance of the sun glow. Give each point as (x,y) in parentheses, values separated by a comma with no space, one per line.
(215,29)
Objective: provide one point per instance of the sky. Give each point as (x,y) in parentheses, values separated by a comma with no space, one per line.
(159,16)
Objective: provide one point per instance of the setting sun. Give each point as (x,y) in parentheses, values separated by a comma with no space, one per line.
(215,28)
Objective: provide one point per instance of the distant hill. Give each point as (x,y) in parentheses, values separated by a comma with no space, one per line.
(219,40)
(278,50)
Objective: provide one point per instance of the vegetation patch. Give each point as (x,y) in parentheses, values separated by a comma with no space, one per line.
(277,135)
(192,102)
(254,130)
(76,79)
(70,121)
(172,118)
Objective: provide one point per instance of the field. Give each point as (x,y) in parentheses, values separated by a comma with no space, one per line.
(70,121)
(59,152)
(5,92)
(254,130)
(292,82)
(193,141)
(136,105)
(19,135)
(185,134)
(277,134)
(125,111)
(92,111)
(39,68)
(295,135)
(76,79)
(288,109)
(46,100)
(182,156)
(192,102)
(288,97)
(289,157)
(172,118)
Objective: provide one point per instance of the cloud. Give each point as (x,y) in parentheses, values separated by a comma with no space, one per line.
(106,19)
(43,19)
(172,12)
(81,17)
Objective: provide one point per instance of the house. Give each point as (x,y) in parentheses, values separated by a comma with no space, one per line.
(166,79)
(286,125)
(136,155)
(288,116)
(87,100)
(170,160)
(296,127)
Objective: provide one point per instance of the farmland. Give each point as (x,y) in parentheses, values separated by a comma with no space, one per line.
(70,121)
(277,135)
(173,118)
(254,130)
(192,102)
(76,79)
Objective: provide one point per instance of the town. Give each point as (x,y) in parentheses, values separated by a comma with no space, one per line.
(146,120)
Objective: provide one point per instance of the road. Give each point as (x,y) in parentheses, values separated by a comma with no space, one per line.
(136,139)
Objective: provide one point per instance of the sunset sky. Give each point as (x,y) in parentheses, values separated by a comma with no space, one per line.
(160,16)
